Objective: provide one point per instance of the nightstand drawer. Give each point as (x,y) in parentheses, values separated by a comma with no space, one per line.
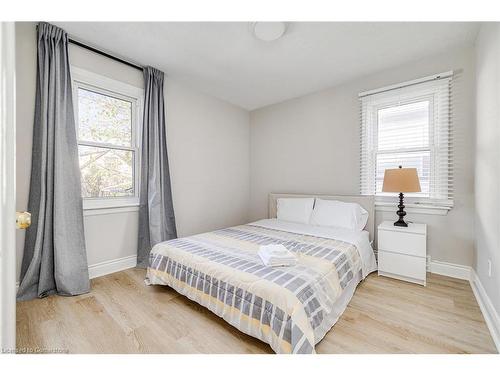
(402,265)
(401,242)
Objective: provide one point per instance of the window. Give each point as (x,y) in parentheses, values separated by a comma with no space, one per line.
(409,126)
(107,115)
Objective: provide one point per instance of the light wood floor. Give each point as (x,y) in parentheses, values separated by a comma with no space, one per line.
(122,315)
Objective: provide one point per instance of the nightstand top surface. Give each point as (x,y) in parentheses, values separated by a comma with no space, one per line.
(417,228)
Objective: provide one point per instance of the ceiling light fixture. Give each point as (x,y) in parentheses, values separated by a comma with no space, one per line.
(268,31)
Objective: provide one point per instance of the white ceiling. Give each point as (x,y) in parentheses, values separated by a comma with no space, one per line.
(225,60)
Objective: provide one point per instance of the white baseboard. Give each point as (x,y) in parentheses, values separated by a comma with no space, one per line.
(457,271)
(111,266)
(490,314)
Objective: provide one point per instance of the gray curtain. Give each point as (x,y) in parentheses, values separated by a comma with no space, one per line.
(54,259)
(156,212)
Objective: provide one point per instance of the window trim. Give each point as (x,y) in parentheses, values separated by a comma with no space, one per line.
(413,208)
(87,80)
(369,142)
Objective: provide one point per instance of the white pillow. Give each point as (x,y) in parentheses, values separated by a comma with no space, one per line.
(297,210)
(330,213)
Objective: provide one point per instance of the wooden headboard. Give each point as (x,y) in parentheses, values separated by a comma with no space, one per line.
(365,201)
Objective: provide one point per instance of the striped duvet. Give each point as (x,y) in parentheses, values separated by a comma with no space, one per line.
(288,307)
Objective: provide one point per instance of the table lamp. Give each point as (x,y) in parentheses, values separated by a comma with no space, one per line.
(401,180)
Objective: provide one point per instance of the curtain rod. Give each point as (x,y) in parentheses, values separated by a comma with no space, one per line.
(407,83)
(102,53)
(105,54)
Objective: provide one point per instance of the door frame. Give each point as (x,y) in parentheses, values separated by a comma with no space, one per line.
(7,188)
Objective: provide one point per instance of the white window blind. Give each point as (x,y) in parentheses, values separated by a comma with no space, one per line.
(409,125)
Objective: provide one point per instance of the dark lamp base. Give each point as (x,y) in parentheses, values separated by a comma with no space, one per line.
(400,223)
(401,213)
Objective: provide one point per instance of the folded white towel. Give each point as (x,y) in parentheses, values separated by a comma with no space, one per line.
(277,256)
(273,262)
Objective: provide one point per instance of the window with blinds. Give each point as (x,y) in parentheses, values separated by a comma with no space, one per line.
(409,125)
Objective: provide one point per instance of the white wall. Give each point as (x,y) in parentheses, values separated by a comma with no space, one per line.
(487,173)
(311,145)
(208,152)
(209,156)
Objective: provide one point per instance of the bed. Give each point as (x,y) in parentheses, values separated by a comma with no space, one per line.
(290,308)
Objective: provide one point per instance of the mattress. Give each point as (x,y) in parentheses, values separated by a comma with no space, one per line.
(291,308)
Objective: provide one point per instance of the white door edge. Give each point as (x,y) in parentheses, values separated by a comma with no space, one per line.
(7,188)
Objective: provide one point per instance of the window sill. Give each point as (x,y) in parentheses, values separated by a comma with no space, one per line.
(424,209)
(92,208)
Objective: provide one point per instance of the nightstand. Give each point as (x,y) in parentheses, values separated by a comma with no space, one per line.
(402,251)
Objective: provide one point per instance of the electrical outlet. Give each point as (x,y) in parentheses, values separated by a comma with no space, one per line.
(489,267)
